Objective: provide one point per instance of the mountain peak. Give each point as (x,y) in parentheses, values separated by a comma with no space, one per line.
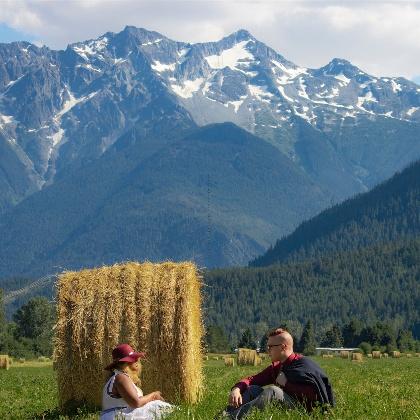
(240,35)
(340,66)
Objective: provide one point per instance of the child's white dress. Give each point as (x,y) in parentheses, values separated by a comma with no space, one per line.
(116,408)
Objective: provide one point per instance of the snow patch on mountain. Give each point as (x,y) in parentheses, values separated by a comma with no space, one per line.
(290,72)
(412,110)
(5,119)
(396,87)
(156,41)
(231,57)
(343,78)
(188,87)
(260,93)
(71,102)
(161,67)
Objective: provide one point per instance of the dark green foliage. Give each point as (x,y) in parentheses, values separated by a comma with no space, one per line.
(333,337)
(31,333)
(387,213)
(351,333)
(216,340)
(263,343)
(307,342)
(365,347)
(178,198)
(247,341)
(381,335)
(375,283)
(405,341)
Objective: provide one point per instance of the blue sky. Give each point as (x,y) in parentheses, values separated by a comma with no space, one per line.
(381,37)
(8,34)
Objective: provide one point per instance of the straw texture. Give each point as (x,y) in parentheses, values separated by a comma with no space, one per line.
(155,308)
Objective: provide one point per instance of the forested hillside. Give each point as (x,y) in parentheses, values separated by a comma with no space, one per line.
(391,211)
(371,284)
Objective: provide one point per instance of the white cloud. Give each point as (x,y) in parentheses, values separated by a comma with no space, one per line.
(378,36)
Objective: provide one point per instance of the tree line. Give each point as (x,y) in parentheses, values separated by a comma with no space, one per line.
(30,332)
(379,283)
(380,336)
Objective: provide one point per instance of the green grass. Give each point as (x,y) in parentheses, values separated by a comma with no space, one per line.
(375,389)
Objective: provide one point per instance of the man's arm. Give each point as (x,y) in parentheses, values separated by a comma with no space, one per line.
(265,377)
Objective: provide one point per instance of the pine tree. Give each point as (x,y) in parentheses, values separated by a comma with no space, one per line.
(351,333)
(333,337)
(307,342)
(405,341)
(216,340)
(246,341)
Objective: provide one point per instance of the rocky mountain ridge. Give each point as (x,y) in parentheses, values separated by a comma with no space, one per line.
(64,108)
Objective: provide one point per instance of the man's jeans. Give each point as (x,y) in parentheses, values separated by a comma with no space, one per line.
(258,397)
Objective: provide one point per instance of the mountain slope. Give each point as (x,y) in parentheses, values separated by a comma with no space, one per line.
(64,109)
(388,212)
(378,283)
(213,196)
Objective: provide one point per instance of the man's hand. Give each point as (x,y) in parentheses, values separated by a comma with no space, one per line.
(281,379)
(235,397)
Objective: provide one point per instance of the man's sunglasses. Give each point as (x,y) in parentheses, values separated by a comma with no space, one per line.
(269,346)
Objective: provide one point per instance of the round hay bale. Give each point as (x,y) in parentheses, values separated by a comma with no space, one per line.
(376,355)
(358,357)
(369,355)
(408,355)
(396,354)
(4,361)
(155,308)
(344,354)
(247,357)
(21,360)
(385,355)
(229,361)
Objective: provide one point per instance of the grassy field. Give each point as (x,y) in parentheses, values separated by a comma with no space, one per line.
(374,389)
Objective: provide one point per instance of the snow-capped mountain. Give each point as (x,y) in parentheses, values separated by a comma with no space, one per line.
(64,108)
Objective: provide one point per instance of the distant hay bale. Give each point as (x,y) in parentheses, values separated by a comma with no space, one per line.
(396,354)
(21,360)
(408,355)
(155,308)
(385,355)
(417,354)
(369,355)
(43,359)
(325,356)
(229,361)
(257,360)
(344,354)
(358,357)
(376,355)
(247,357)
(4,361)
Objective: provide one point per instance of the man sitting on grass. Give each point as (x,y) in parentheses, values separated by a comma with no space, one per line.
(291,380)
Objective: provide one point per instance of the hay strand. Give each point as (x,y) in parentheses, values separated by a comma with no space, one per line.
(154,307)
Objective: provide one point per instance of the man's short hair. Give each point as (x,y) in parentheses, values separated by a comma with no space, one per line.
(277,331)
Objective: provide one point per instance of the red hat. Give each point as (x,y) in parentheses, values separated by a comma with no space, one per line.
(124,353)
